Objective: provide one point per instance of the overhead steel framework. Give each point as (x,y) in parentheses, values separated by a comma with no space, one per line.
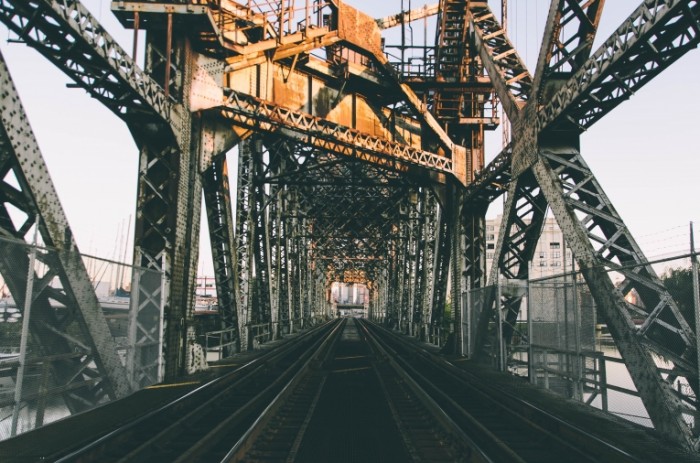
(354,168)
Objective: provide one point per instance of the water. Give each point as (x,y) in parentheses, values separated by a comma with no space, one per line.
(625,405)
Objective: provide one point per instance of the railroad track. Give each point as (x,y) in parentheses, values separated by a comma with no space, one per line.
(349,391)
(204,424)
(311,423)
(506,427)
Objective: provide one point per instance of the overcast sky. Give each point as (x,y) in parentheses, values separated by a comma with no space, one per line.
(645,153)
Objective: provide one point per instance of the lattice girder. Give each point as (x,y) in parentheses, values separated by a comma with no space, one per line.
(651,39)
(94,373)
(654,36)
(260,115)
(616,249)
(508,72)
(523,218)
(70,37)
(563,54)
(555,172)
(217,197)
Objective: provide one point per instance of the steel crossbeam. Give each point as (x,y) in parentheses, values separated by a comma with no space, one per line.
(254,113)
(408,16)
(70,37)
(491,182)
(95,374)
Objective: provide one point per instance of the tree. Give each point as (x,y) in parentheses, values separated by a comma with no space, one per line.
(679,282)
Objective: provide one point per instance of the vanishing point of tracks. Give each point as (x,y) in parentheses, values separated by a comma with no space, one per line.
(347,391)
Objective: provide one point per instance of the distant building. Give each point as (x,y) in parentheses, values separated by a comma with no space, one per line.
(205,286)
(552,256)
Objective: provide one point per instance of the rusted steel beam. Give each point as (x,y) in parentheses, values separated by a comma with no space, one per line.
(254,113)
(404,17)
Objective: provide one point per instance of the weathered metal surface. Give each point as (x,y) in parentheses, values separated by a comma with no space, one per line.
(661,402)
(35,195)
(408,16)
(509,74)
(562,53)
(88,55)
(359,29)
(341,153)
(650,40)
(258,114)
(545,139)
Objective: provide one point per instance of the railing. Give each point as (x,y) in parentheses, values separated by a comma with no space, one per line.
(260,333)
(582,373)
(58,362)
(221,343)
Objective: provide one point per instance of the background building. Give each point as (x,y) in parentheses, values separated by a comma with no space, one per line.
(552,256)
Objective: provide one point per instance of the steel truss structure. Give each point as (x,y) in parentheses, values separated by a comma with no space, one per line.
(66,325)
(354,169)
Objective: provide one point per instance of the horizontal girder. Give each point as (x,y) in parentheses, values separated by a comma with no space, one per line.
(254,113)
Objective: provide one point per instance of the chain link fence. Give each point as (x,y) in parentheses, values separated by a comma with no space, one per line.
(52,304)
(551,331)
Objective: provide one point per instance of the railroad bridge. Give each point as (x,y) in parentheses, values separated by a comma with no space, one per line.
(357,162)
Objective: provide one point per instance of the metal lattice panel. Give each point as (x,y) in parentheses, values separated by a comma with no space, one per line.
(86,366)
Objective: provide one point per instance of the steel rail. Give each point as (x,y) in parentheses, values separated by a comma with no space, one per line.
(132,434)
(244,444)
(581,445)
(472,451)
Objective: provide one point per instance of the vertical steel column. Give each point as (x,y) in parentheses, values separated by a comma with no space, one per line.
(217,198)
(473,218)
(26,316)
(167,217)
(431,240)
(262,310)
(440,275)
(244,241)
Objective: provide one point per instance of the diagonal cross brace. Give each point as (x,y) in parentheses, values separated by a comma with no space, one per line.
(562,53)
(71,38)
(56,232)
(649,41)
(508,72)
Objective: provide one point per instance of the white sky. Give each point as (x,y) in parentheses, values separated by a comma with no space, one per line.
(645,153)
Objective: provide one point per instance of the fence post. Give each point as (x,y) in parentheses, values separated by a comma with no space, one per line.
(28,295)
(530,331)
(501,347)
(696,304)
